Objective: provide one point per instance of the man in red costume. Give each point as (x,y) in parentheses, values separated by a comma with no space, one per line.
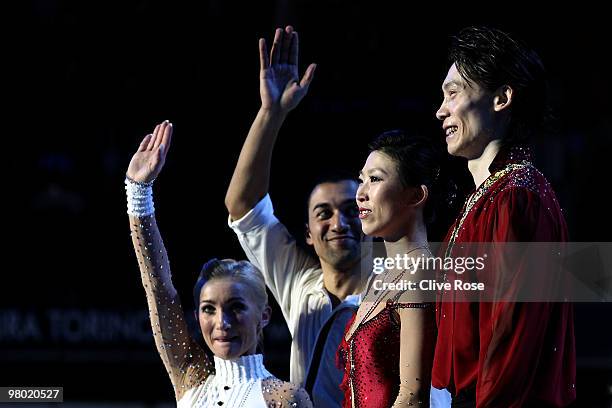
(501,353)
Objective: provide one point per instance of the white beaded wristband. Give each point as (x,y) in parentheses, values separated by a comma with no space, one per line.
(139,198)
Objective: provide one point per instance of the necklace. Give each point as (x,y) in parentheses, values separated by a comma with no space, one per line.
(383,292)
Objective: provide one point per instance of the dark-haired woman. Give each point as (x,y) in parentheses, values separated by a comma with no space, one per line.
(388,348)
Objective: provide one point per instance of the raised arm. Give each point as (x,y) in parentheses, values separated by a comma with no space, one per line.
(184,360)
(281,91)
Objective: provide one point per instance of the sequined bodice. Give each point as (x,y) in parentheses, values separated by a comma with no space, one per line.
(371,359)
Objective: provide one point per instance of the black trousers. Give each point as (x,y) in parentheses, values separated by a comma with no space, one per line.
(465,399)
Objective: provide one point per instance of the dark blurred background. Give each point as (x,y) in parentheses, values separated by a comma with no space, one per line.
(89,79)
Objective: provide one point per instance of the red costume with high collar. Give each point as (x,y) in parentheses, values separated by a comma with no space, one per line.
(512,354)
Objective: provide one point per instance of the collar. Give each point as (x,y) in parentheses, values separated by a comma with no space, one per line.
(513,154)
(243,369)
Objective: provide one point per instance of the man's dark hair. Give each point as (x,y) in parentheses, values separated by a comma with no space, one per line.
(491,58)
(331,176)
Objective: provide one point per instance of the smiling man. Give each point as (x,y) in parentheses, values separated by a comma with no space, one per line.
(501,353)
(317,295)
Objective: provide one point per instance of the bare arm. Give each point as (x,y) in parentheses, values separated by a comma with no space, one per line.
(418,338)
(280,93)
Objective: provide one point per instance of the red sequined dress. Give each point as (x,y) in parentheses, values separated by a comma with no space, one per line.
(371,359)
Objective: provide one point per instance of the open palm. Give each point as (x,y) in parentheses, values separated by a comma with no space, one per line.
(150,157)
(279,86)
